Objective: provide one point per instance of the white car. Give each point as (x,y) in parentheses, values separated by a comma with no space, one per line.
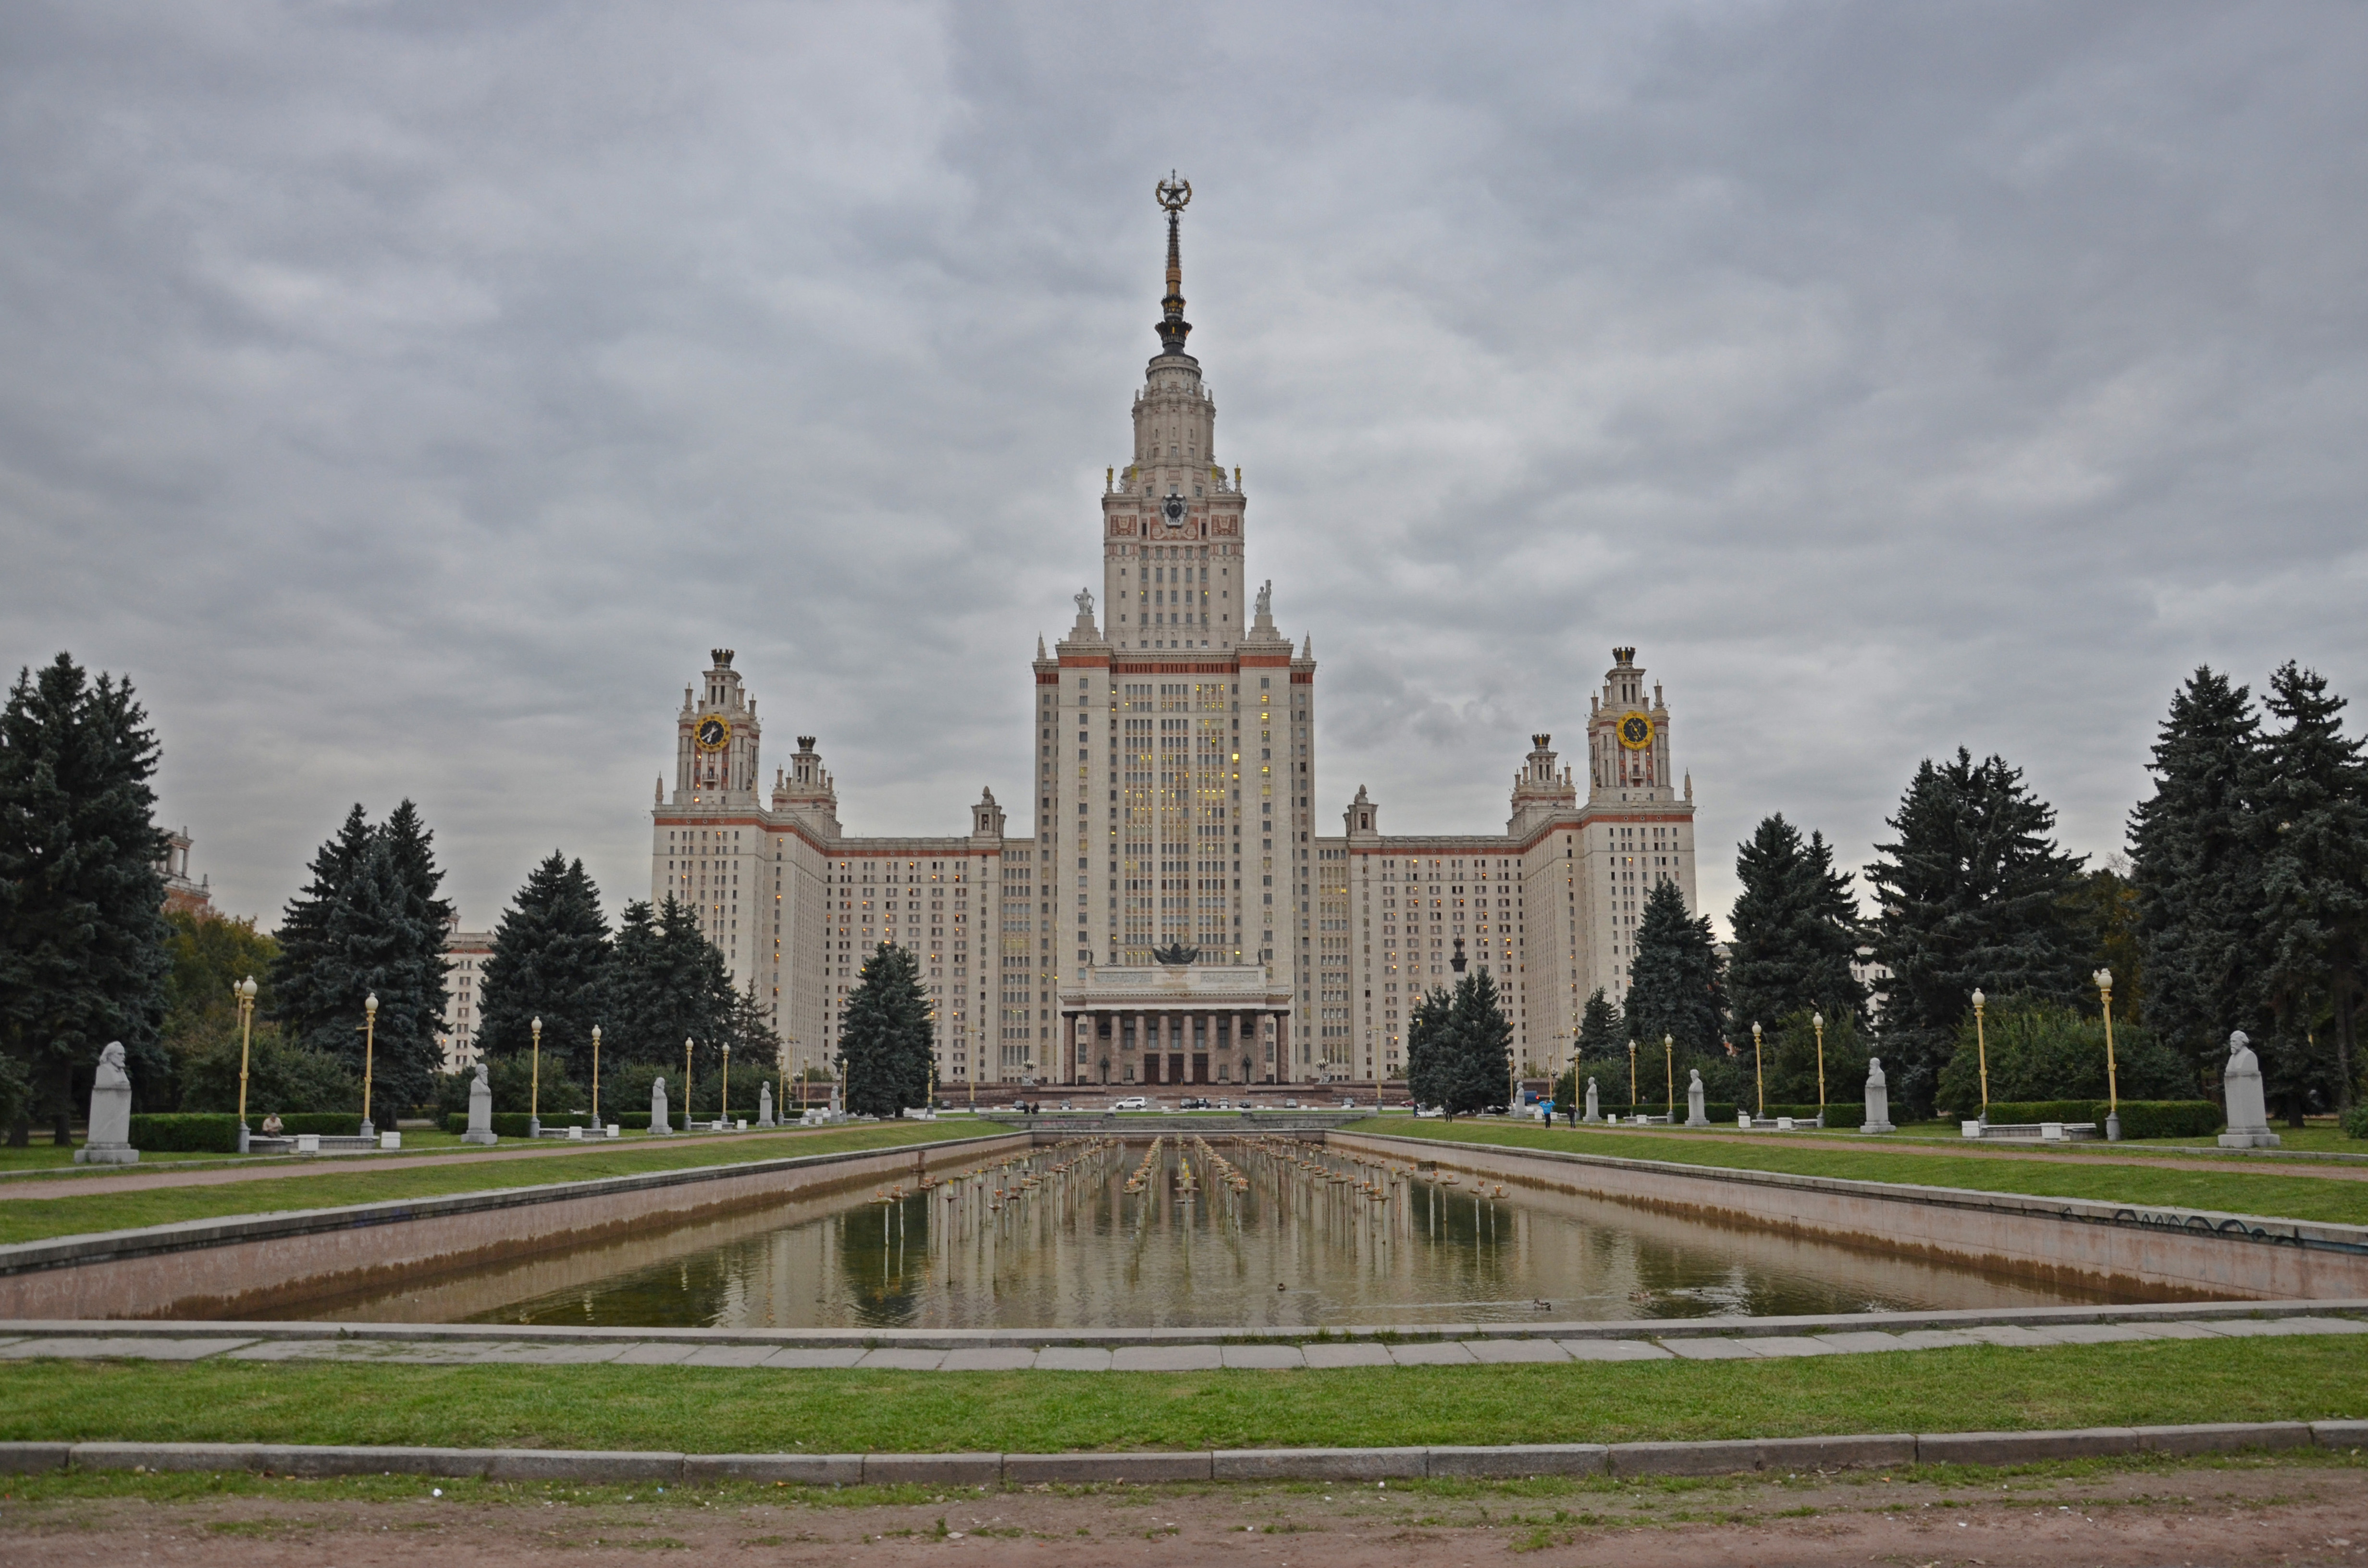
(1428,1110)
(1133,1102)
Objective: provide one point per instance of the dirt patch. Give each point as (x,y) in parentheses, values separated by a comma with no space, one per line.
(2224,1512)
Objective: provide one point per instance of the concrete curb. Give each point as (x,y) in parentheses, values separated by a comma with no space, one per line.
(1725,1457)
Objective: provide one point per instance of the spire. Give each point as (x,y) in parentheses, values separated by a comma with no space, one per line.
(1173,194)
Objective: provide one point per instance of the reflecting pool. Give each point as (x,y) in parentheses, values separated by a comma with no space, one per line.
(1249,1232)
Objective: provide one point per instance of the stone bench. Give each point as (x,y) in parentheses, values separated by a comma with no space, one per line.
(1779,1123)
(2036,1131)
(577,1134)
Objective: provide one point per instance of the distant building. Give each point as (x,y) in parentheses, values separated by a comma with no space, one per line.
(180,893)
(466,952)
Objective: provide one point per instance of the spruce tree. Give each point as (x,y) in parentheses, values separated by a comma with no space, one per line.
(1481,1060)
(666,983)
(1676,987)
(82,938)
(549,959)
(312,993)
(1796,930)
(1429,1047)
(2195,866)
(1603,1051)
(756,1045)
(1970,895)
(2314,838)
(885,1039)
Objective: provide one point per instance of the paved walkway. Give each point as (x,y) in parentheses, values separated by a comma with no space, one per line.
(1693,1346)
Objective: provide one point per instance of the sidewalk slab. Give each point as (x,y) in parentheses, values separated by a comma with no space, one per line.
(988,1358)
(1774,1345)
(1266,1355)
(1167,1359)
(933,1470)
(1934,1339)
(1514,1352)
(1432,1353)
(591,1466)
(798,1470)
(2022,1447)
(1028,1470)
(517,1355)
(1862,1340)
(1614,1350)
(1363,1354)
(2181,1328)
(728,1355)
(1317,1464)
(1710,1349)
(1073,1358)
(2225,1436)
(799,1358)
(31,1459)
(1520,1460)
(902,1360)
(2094,1333)
(2008,1334)
(655,1355)
(141,1348)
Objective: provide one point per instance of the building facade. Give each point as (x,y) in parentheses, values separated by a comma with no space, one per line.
(465,953)
(1173,812)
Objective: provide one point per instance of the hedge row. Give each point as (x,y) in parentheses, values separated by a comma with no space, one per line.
(512,1124)
(184,1132)
(2140,1119)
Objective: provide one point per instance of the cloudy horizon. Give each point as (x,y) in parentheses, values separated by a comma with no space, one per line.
(407,397)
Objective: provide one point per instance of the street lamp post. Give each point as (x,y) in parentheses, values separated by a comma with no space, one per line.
(534,1085)
(369,1046)
(2104,979)
(723,1115)
(596,1077)
(685,1083)
(1982,1054)
(1758,1073)
(1632,1075)
(1669,1070)
(245,991)
(1818,1021)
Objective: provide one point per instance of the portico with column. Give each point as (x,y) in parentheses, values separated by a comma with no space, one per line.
(1165,1024)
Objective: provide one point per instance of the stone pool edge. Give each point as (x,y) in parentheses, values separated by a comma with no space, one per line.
(1714,1457)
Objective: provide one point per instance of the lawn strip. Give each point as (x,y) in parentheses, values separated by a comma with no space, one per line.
(727,1411)
(2332,1201)
(36,1219)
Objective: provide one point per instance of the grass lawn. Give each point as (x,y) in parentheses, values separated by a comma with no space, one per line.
(734,1411)
(2223,1186)
(330,1184)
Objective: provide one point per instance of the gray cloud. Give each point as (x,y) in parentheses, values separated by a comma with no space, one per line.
(407,397)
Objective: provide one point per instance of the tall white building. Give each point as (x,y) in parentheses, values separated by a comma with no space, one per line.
(1174,808)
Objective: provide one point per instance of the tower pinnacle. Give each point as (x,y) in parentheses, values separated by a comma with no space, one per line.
(1173,194)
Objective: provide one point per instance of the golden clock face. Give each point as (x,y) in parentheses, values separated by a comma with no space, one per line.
(713,732)
(1636,731)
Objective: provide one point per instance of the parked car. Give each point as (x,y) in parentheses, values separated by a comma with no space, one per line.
(1131,1102)
(1431,1111)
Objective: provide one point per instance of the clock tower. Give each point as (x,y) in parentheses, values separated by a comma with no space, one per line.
(715,740)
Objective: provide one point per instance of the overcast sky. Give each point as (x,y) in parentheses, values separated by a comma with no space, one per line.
(407,396)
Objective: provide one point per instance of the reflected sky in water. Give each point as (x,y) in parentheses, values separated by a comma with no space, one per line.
(1266,1235)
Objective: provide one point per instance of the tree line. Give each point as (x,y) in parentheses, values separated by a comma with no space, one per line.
(2242,904)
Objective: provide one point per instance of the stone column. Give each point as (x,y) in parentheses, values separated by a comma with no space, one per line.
(1143,1046)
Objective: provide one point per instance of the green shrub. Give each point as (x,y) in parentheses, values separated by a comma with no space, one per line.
(1850,1115)
(2169,1119)
(16,1093)
(2355,1121)
(1791,1059)
(2044,1111)
(326,1123)
(2044,1048)
(280,1077)
(513,1123)
(185,1133)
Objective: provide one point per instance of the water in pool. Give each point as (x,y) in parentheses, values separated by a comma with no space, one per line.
(1250,1232)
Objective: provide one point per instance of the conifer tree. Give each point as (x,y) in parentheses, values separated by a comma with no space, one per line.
(312,993)
(550,959)
(2314,884)
(1970,895)
(1796,930)
(82,938)
(756,1045)
(666,983)
(2196,867)
(1676,987)
(1429,1045)
(1482,1060)
(1603,1049)
(885,1042)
